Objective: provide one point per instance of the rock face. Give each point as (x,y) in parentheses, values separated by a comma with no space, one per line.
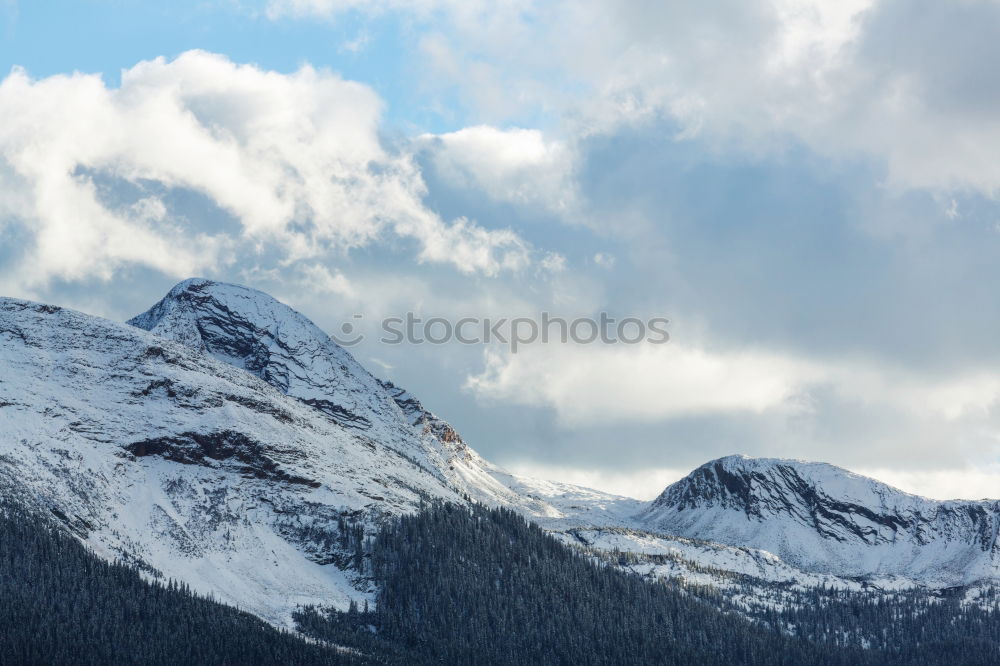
(823,518)
(250,330)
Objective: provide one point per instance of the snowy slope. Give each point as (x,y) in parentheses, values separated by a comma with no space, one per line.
(252,331)
(822,518)
(152,451)
(226,456)
(746,577)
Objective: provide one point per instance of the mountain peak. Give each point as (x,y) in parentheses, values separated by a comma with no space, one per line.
(817,515)
(743,461)
(183,314)
(198,282)
(253,331)
(752,485)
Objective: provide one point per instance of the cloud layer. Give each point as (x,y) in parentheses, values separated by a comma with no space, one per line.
(844,78)
(91,174)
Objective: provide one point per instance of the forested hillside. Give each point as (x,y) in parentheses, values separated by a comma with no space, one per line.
(484,586)
(475,585)
(61,604)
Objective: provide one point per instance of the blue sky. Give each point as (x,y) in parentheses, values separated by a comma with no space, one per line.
(807,190)
(106,37)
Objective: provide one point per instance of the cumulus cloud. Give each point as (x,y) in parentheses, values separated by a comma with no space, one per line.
(295,159)
(323,280)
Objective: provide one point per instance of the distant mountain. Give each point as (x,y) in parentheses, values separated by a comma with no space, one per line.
(822,518)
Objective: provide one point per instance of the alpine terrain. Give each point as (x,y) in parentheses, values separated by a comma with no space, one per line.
(222,440)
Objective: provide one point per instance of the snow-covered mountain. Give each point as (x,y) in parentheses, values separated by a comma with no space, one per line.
(157,453)
(251,330)
(822,518)
(222,439)
(230,446)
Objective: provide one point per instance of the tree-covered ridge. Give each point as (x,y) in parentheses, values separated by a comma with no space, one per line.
(911,625)
(460,585)
(61,604)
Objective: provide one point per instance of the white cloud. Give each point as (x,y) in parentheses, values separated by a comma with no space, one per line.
(356,45)
(296,159)
(553,262)
(515,165)
(965,483)
(605,260)
(601,384)
(322,280)
(589,384)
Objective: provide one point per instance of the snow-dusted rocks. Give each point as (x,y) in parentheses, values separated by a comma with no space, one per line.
(822,518)
(251,330)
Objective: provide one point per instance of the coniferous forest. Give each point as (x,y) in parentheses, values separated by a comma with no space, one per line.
(61,604)
(463,585)
(457,585)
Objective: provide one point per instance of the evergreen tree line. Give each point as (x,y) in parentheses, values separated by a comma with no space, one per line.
(474,585)
(910,626)
(61,604)
(461,585)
